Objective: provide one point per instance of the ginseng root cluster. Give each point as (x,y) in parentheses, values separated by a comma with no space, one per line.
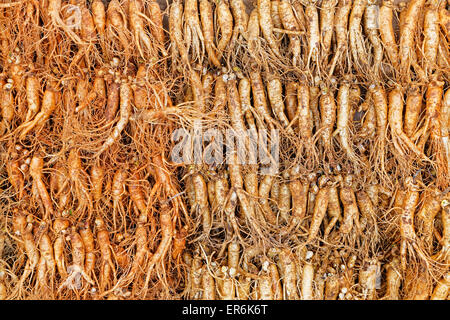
(312,141)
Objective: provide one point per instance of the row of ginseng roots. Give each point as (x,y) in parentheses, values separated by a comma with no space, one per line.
(382,132)
(376,40)
(317,38)
(282,273)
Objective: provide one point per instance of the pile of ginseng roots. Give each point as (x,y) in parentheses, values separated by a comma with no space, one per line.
(347,103)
